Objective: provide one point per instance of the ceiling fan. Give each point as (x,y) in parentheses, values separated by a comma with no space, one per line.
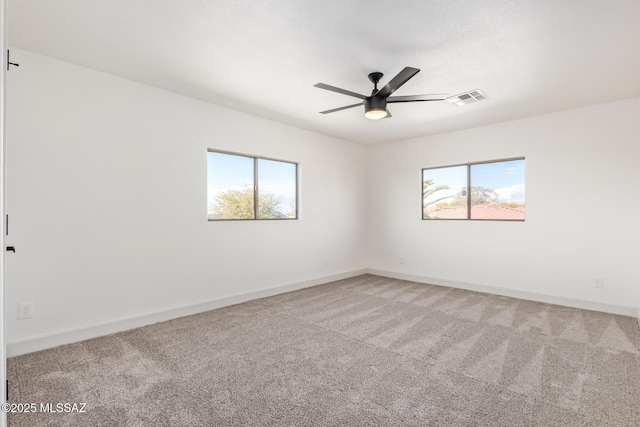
(375,105)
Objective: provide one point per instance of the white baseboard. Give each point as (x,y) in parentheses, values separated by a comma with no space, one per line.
(42,342)
(514,293)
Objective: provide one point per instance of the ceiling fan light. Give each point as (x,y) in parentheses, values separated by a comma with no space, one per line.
(376,113)
(375,108)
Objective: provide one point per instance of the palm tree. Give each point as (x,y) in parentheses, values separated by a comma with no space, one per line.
(427,191)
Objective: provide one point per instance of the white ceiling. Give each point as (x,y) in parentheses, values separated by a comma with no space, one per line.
(263,57)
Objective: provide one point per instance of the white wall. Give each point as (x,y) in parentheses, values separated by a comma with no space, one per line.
(107,201)
(582,219)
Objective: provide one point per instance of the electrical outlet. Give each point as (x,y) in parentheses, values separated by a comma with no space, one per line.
(401,260)
(599,283)
(25,310)
(326,263)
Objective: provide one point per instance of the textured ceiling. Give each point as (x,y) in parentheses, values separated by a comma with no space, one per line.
(263,57)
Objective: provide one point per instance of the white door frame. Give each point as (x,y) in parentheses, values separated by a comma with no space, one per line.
(3,353)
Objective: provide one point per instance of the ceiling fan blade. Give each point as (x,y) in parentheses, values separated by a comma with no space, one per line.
(341,108)
(417,98)
(401,78)
(388,114)
(337,89)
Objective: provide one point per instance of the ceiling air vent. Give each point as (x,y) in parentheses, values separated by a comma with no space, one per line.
(467,97)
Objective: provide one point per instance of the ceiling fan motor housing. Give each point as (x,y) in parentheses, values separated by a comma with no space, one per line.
(375,103)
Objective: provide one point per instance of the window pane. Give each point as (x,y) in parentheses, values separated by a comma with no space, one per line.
(229,186)
(497,190)
(277,189)
(444,193)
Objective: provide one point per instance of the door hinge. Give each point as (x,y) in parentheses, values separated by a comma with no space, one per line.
(9,63)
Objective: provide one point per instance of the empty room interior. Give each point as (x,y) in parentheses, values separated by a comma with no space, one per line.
(308,213)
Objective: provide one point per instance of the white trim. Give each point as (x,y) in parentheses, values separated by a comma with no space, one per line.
(514,293)
(3,348)
(42,342)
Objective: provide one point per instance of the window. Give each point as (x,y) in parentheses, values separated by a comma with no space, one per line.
(241,187)
(480,191)
(443,193)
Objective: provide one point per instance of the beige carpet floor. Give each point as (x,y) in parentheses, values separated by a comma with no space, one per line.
(365,351)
